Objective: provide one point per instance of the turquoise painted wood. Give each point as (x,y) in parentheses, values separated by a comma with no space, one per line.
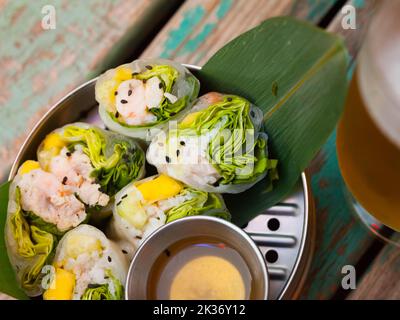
(341,239)
(201,27)
(39,66)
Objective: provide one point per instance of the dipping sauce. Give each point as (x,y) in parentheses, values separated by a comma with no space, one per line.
(200,268)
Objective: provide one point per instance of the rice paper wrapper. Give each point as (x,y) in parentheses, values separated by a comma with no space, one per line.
(188,202)
(186,86)
(108,267)
(114,166)
(29,248)
(190,152)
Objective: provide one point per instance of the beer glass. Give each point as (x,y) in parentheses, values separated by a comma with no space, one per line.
(368,136)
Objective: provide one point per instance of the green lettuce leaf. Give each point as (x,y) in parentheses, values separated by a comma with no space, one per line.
(33,244)
(34,220)
(116,161)
(102,291)
(201,203)
(167,75)
(226,152)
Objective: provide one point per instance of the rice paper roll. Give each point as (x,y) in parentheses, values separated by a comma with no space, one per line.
(218,147)
(40,210)
(95,163)
(87,266)
(143,206)
(138,99)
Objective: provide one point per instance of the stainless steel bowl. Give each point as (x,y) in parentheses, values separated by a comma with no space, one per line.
(139,271)
(293,241)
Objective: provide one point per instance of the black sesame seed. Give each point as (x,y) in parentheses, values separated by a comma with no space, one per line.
(177,153)
(124,251)
(135,74)
(64,180)
(144,81)
(160,85)
(138,237)
(158,218)
(172,114)
(93,286)
(182,143)
(124,101)
(129,92)
(106,277)
(167,252)
(167,159)
(252,114)
(115,93)
(68,154)
(119,202)
(109,259)
(117,114)
(124,196)
(229,99)
(149,67)
(216,183)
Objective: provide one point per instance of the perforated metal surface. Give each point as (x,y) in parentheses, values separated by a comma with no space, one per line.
(286,243)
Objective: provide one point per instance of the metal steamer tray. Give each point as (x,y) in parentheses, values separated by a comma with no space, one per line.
(284,233)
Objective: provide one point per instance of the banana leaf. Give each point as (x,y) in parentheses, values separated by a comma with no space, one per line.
(8,282)
(294,72)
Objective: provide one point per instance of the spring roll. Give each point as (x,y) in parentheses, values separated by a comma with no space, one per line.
(143,206)
(218,147)
(87,266)
(139,98)
(40,210)
(92,162)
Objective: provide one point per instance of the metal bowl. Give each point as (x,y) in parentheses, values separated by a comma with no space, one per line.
(291,243)
(226,232)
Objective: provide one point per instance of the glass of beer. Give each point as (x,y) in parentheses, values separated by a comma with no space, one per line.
(368,136)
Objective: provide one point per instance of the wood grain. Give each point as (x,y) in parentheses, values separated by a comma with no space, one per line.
(382,281)
(201,27)
(38,66)
(341,238)
(196,32)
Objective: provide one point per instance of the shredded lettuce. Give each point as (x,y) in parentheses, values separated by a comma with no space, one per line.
(200,203)
(38,222)
(33,243)
(116,161)
(103,292)
(236,162)
(168,76)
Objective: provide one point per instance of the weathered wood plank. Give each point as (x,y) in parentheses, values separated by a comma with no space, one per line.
(201,27)
(38,66)
(382,281)
(341,237)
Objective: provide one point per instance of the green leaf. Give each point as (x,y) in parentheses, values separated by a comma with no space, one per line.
(8,282)
(294,72)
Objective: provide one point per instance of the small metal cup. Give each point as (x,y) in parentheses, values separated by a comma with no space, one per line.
(205,226)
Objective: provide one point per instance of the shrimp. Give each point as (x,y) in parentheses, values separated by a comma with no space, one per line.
(43,194)
(135,98)
(206,100)
(74,170)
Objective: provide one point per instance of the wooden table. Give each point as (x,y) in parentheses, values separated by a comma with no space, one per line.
(39,66)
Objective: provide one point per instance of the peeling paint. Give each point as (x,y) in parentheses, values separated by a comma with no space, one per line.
(176,36)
